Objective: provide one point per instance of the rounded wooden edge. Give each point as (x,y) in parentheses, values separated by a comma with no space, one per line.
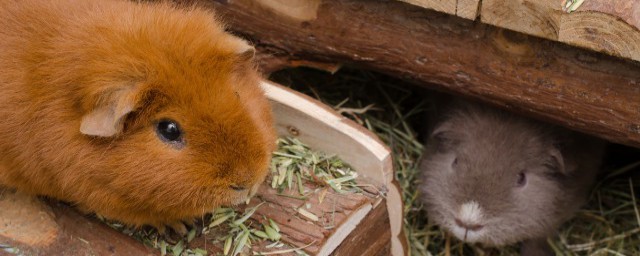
(359,135)
(344,230)
(327,116)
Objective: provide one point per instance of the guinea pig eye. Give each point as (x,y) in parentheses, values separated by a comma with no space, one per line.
(169,130)
(521,180)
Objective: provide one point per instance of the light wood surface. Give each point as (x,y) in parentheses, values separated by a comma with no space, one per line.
(437,5)
(611,27)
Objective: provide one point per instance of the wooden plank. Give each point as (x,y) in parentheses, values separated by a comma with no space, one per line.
(600,25)
(533,17)
(606,26)
(338,217)
(553,82)
(468,9)
(300,10)
(446,6)
(371,236)
(611,27)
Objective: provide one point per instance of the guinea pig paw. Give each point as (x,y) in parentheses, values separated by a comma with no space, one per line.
(179,228)
(173,232)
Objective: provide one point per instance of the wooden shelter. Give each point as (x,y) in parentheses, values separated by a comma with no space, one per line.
(536,70)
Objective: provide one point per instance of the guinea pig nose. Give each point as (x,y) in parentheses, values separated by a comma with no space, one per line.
(468,226)
(237,187)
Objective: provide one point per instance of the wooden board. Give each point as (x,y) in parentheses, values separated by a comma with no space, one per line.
(437,5)
(575,88)
(536,17)
(612,27)
(49,228)
(323,129)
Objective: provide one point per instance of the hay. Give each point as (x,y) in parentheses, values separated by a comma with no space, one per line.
(608,225)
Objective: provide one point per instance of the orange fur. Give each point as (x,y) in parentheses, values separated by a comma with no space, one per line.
(61,60)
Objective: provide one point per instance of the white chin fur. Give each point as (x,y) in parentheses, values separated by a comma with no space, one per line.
(470,212)
(471,236)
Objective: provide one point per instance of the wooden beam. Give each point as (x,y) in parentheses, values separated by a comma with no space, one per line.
(588,92)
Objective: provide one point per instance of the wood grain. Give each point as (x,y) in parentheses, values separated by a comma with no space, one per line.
(468,9)
(579,89)
(611,27)
(300,10)
(534,17)
(604,26)
(370,236)
(447,6)
(52,228)
(313,122)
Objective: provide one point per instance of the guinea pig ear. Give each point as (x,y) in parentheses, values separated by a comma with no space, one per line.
(105,120)
(556,159)
(444,138)
(245,51)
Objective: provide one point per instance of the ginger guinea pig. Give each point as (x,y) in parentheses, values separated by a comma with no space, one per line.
(494,178)
(144,113)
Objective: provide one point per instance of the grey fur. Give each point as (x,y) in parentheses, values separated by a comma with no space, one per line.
(492,147)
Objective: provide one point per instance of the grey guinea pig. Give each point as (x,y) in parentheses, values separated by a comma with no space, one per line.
(493,178)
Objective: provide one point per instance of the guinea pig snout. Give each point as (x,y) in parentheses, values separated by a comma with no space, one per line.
(468,225)
(468,222)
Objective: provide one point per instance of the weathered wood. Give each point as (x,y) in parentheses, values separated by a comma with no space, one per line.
(534,17)
(612,27)
(36,228)
(468,9)
(300,10)
(601,25)
(592,93)
(437,5)
(338,214)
